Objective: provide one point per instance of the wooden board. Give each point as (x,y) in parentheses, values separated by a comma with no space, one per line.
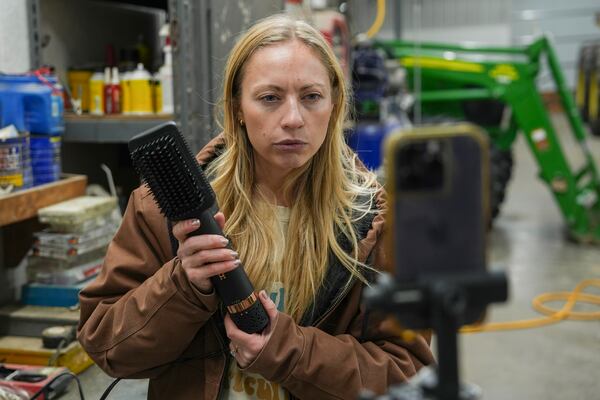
(30,351)
(24,204)
(59,314)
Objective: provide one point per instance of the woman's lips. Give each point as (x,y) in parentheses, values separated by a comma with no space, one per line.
(290,145)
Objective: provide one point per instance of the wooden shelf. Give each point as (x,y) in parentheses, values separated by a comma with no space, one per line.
(24,204)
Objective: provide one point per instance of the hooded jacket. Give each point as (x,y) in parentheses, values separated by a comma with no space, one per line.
(142,318)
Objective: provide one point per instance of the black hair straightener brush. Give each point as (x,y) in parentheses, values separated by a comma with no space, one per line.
(163,159)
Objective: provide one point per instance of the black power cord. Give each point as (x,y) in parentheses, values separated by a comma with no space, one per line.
(109,388)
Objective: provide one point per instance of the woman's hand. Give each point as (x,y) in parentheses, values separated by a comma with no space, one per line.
(203,256)
(245,347)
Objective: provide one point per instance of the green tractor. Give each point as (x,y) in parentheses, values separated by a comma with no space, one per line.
(495,87)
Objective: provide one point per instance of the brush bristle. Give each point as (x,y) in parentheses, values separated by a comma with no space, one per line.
(166,164)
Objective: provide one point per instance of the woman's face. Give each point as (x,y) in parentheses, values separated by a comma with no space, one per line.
(285,105)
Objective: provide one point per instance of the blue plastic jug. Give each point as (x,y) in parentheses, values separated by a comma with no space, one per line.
(366,140)
(31,103)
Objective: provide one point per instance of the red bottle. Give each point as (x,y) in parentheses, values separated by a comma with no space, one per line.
(112,91)
(108,103)
(116,91)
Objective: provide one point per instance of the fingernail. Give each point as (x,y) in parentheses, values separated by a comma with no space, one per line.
(234,254)
(196,222)
(237,262)
(224,241)
(263,294)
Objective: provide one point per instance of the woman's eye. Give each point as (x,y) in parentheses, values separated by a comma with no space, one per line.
(312,96)
(269,98)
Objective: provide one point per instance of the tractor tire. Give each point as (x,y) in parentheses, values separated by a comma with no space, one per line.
(501,165)
(595,127)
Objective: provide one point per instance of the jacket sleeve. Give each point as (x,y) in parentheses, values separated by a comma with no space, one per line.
(141,312)
(316,364)
(312,363)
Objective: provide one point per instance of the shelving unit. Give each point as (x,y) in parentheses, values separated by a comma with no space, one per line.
(67,33)
(108,129)
(18,213)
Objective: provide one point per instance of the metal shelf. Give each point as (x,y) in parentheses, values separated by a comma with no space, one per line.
(108,129)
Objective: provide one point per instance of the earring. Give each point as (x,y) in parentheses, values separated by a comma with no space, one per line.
(241,122)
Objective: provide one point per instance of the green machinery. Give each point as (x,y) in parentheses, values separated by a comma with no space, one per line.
(495,87)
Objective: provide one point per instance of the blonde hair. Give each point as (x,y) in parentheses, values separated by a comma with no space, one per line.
(325,189)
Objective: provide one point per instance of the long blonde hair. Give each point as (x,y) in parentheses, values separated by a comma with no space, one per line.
(325,189)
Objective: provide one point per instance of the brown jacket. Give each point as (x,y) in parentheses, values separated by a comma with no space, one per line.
(142,318)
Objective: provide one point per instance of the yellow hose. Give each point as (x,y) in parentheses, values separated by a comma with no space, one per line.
(379,19)
(552,315)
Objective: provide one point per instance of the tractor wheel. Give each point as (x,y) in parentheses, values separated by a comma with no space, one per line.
(501,164)
(595,126)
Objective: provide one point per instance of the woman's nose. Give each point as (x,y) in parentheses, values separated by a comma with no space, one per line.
(292,117)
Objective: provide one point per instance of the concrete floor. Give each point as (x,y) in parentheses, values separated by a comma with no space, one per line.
(560,361)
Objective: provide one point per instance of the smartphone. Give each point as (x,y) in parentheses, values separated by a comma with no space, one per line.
(437,182)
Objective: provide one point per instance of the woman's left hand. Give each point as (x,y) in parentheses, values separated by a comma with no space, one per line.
(246,347)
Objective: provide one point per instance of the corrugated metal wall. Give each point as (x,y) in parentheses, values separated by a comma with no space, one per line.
(568,23)
(493,22)
(454,13)
(455,21)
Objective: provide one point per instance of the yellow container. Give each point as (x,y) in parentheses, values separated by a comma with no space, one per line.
(79,87)
(140,90)
(30,351)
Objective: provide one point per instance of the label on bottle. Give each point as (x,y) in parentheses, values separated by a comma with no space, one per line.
(140,96)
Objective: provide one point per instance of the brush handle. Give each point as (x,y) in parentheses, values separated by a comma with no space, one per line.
(234,288)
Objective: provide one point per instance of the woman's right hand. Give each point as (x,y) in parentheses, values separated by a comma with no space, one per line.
(203,256)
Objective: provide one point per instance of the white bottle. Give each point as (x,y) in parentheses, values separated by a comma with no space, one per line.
(165,75)
(97,93)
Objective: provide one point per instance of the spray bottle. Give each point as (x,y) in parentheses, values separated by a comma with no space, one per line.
(116,91)
(108,105)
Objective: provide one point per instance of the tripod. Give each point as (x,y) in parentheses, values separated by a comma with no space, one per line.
(443,303)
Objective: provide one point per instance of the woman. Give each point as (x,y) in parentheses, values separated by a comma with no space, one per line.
(304,218)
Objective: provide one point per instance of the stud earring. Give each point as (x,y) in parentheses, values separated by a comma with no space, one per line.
(241,122)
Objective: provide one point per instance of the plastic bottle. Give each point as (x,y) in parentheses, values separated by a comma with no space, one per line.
(165,74)
(126,92)
(108,105)
(116,91)
(141,91)
(97,93)
(79,86)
